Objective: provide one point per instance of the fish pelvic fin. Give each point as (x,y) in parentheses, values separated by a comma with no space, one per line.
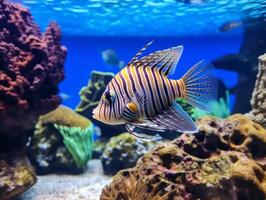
(200,85)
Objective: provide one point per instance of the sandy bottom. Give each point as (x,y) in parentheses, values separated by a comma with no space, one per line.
(86,186)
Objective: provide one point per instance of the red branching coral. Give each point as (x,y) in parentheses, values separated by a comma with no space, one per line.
(31,66)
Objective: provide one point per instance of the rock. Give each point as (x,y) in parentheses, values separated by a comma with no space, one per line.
(122,152)
(62,142)
(90,96)
(16,175)
(98,148)
(224,160)
(258,101)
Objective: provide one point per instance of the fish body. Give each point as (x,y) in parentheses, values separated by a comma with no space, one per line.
(141,94)
(110,57)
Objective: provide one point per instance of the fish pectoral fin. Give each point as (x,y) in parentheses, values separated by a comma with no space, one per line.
(176,119)
(130,112)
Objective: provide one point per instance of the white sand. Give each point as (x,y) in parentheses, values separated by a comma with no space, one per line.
(86,186)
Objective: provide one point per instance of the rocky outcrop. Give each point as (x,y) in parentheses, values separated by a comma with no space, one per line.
(122,152)
(16,175)
(62,142)
(224,160)
(258,100)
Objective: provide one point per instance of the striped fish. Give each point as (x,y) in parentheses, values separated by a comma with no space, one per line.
(142,96)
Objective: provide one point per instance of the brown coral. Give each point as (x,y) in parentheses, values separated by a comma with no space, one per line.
(31,66)
(225,160)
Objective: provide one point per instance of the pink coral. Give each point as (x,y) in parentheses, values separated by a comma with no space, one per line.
(31,66)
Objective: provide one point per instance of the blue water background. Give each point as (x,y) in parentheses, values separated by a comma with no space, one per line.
(89,26)
(84,56)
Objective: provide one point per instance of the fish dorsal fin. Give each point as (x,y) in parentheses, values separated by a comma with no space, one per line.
(165,60)
(135,58)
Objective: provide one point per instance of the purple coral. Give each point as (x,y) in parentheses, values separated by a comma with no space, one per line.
(31,66)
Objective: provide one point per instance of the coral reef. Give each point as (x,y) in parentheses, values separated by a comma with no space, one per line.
(31,66)
(122,152)
(90,95)
(225,160)
(258,101)
(245,62)
(51,150)
(16,175)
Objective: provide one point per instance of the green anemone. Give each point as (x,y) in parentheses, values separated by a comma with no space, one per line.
(79,142)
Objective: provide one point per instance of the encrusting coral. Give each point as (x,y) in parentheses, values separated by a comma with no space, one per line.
(89,98)
(224,160)
(258,100)
(62,142)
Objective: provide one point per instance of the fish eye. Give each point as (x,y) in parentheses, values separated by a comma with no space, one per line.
(108,97)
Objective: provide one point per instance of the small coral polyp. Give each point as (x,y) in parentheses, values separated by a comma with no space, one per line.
(31,66)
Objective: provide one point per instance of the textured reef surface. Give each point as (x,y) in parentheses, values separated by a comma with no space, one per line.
(225,160)
(31,67)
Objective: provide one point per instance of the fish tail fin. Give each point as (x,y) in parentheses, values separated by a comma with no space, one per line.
(200,85)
